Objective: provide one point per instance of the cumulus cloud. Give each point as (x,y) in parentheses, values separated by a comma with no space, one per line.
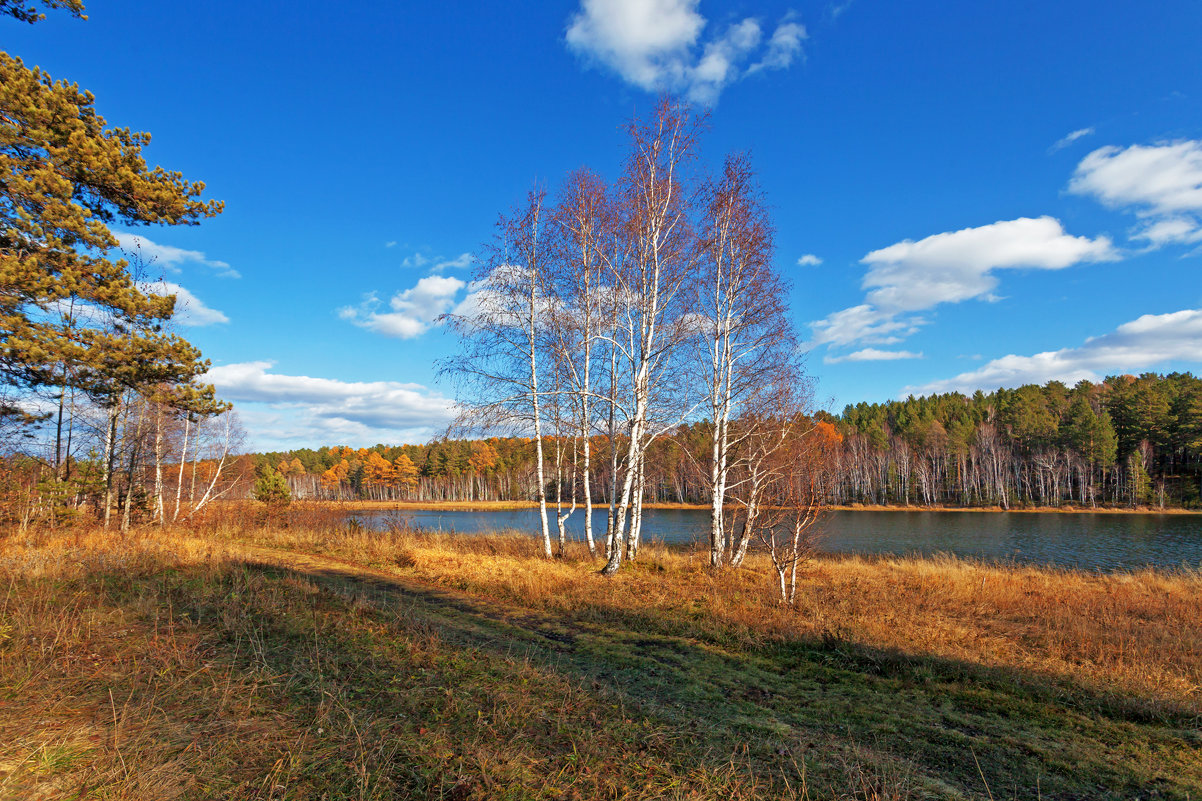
(955,266)
(951,267)
(322,410)
(809,260)
(873,355)
(189,309)
(1164,179)
(169,257)
(1135,346)
(1061,144)
(411,312)
(1161,183)
(658,45)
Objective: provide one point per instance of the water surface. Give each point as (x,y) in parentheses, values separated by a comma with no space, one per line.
(1098,542)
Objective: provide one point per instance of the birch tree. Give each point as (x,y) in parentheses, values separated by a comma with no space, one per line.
(503,333)
(588,244)
(772,422)
(746,332)
(652,282)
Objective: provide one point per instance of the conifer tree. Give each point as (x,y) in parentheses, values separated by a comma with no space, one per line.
(272,489)
(67,179)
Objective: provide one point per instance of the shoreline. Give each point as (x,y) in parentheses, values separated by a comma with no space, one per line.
(509,506)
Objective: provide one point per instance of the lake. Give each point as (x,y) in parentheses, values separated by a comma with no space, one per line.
(1096,542)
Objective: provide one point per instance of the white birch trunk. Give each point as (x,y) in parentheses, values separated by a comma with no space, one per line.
(126,515)
(183,458)
(159,511)
(110,450)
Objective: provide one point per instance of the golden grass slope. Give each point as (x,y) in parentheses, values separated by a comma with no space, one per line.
(304,659)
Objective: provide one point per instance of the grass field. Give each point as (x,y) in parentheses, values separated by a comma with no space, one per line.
(306,660)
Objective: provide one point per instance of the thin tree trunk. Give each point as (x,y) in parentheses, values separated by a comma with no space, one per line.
(110,453)
(183,458)
(159,509)
(126,515)
(632,458)
(636,522)
(588,499)
(70,431)
(611,515)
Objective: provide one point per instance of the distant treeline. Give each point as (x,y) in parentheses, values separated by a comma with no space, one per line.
(1126,441)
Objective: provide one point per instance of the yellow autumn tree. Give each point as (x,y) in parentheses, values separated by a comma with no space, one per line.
(404,471)
(483,457)
(377,469)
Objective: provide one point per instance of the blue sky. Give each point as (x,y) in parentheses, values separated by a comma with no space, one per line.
(966,194)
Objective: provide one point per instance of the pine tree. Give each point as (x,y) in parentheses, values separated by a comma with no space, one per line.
(68,312)
(28,12)
(272,489)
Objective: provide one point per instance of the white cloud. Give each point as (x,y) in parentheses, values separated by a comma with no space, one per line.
(1165,179)
(437,263)
(189,309)
(643,41)
(462,261)
(169,257)
(323,411)
(862,323)
(390,244)
(836,9)
(955,266)
(1168,231)
(1061,144)
(1162,183)
(951,267)
(497,300)
(654,45)
(475,301)
(1132,347)
(873,355)
(721,61)
(809,260)
(411,312)
(783,47)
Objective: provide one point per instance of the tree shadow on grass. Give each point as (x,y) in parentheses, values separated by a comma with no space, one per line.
(954,728)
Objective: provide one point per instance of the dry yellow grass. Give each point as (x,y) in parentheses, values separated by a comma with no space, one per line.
(205,662)
(165,665)
(122,700)
(1136,634)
